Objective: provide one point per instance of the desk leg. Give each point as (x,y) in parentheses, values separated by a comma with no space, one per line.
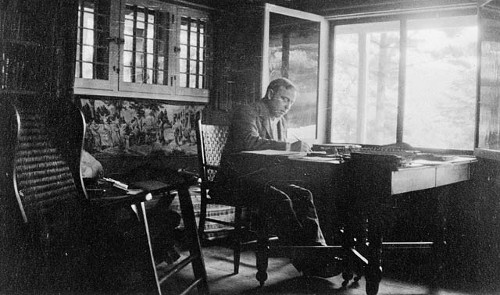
(440,248)
(374,255)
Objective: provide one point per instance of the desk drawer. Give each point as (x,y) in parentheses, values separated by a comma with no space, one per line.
(448,174)
(413,179)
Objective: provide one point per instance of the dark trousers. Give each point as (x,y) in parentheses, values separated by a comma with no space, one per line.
(289,208)
(290,211)
(292,214)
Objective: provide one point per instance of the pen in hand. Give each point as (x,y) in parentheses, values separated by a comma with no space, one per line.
(299,145)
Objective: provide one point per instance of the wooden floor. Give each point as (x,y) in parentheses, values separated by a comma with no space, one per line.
(284,279)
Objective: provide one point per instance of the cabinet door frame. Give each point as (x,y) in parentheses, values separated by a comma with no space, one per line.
(193,92)
(98,86)
(153,91)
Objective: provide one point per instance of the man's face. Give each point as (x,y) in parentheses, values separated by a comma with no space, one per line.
(281,101)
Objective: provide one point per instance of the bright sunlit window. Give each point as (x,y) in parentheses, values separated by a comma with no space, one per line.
(430,82)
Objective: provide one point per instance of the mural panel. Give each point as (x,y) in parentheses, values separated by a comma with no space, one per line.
(141,128)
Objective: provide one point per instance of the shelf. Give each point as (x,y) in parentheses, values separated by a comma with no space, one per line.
(19,42)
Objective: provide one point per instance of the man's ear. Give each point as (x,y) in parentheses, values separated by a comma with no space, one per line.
(269,94)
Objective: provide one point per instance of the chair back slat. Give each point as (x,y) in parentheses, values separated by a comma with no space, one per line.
(44,151)
(211,141)
(42,175)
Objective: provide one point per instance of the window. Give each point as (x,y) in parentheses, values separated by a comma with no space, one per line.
(293,54)
(296,47)
(366,83)
(411,80)
(144,49)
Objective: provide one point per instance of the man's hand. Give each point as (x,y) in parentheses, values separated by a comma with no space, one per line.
(300,146)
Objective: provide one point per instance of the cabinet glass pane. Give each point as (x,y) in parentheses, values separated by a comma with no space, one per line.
(92,56)
(146,40)
(192,42)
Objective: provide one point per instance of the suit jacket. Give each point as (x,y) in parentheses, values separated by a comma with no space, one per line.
(250,130)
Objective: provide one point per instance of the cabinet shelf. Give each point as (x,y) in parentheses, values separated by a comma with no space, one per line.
(19,42)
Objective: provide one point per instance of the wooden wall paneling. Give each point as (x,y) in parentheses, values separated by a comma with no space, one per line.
(35,39)
(64,43)
(478,223)
(237,59)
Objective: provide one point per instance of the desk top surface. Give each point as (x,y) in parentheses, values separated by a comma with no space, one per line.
(333,159)
(416,175)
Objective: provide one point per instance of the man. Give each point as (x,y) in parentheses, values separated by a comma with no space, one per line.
(259,126)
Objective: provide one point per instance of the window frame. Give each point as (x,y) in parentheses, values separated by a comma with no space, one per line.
(402,18)
(322,109)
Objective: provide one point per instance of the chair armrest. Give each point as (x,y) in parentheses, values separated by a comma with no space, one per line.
(189,177)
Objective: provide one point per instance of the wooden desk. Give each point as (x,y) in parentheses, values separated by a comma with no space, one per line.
(372,185)
(362,189)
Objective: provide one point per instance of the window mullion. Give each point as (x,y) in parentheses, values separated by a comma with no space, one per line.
(96,40)
(285,56)
(145,47)
(198,33)
(134,44)
(362,87)
(80,51)
(188,56)
(169,23)
(401,80)
(155,45)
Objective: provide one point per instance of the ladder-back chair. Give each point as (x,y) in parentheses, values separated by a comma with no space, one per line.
(211,140)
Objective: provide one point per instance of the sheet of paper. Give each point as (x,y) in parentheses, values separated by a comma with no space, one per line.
(318,159)
(272,153)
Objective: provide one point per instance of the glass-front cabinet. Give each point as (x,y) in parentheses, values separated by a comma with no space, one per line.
(142,49)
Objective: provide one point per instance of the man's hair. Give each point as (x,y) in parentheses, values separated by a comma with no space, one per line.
(280,82)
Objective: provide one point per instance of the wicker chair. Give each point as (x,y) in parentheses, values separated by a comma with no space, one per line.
(41,157)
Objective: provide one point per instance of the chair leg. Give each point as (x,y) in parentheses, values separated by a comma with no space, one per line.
(142,209)
(262,254)
(237,238)
(194,245)
(203,215)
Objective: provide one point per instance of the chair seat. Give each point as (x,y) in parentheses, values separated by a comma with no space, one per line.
(220,195)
